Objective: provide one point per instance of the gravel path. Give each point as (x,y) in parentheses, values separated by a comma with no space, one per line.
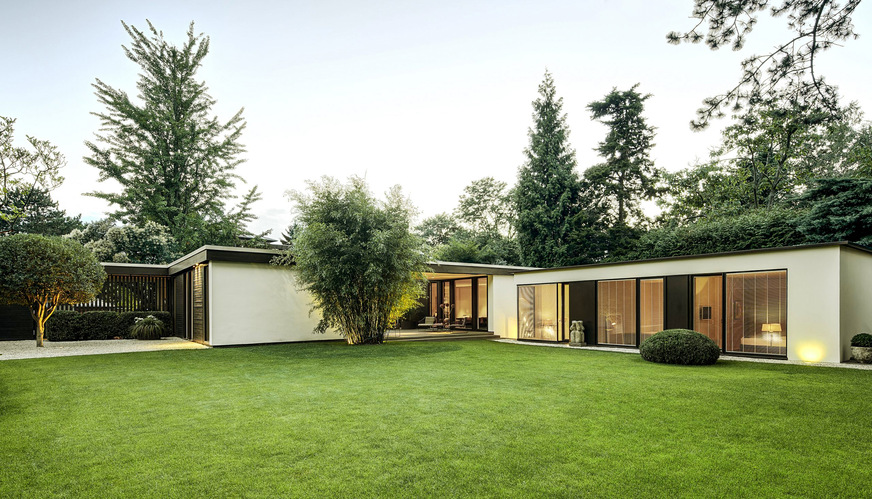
(10,350)
(847,365)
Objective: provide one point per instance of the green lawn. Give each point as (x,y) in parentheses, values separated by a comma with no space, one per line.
(471,418)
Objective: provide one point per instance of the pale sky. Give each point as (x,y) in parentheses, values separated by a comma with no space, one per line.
(428,95)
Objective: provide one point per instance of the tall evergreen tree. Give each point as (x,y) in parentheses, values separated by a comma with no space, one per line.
(628,175)
(36,213)
(547,190)
(174,160)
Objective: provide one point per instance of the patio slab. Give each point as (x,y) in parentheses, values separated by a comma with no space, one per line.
(26,349)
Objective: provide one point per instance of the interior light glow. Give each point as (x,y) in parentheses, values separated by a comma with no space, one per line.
(811,351)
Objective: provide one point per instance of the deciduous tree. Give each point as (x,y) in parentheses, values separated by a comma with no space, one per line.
(151,243)
(43,272)
(24,171)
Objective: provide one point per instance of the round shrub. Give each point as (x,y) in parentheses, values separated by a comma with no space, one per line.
(680,346)
(862,340)
(147,328)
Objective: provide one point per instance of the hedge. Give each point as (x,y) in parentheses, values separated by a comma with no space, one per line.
(680,346)
(65,325)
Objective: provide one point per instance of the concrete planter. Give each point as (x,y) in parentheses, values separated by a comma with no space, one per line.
(862,354)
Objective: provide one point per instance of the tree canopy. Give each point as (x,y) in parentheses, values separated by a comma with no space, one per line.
(151,243)
(24,173)
(35,213)
(357,257)
(176,162)
(628,175)
(840,209)
(43,272)
(815,25)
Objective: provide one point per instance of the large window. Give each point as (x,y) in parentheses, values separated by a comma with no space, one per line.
(538,317)
(482,303)
(757,312)
(616,312)
(463,303)
(707,305)
(650,307)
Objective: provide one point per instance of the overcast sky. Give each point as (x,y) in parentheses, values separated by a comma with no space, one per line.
(428,95)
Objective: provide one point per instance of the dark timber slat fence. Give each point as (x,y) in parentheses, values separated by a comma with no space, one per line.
(128,293)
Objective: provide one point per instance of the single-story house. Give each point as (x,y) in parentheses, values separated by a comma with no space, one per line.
(799,303)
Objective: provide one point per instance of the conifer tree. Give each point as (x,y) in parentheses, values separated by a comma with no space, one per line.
(628,175)
(547,190)
(175,161)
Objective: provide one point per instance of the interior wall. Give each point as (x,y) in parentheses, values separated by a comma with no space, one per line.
(813,290)
(856,296)
(258,303)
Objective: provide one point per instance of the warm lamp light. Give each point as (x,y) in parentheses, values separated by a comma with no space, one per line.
(811,352)
(772,332)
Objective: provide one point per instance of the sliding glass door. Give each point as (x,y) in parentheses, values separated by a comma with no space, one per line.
(616,312)
(651,307)
(538,314)
(757,312)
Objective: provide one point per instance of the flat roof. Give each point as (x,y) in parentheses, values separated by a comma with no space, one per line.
(440,267)
(259,255)
(265,255)
(706,255)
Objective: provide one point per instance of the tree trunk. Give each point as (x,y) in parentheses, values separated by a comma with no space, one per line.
(40,329)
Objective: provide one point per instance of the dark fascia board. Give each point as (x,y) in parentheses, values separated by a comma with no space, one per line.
(845,244)
(200,255)
(256,255)
(439,267)
(222,254)
(135,269)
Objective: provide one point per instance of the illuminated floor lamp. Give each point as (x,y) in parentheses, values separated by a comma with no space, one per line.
(772,332)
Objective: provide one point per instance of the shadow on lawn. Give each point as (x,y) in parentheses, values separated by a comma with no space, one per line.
(342,350)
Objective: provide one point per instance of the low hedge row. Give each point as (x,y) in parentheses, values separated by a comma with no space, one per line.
(65,325)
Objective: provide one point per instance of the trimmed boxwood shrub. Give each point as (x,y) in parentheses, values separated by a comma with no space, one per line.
(66,325)
(98,325)
(63,325)
(862,340)
(680,346)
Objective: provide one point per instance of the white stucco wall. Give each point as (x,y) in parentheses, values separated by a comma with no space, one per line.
(813,290)
(505,303)
(258,303)
(856,296)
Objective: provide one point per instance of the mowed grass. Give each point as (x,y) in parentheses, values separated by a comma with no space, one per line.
(442,419)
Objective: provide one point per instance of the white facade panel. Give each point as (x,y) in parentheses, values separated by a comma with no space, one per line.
(813,290)
(856,296)
(505,301)
(258,303)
